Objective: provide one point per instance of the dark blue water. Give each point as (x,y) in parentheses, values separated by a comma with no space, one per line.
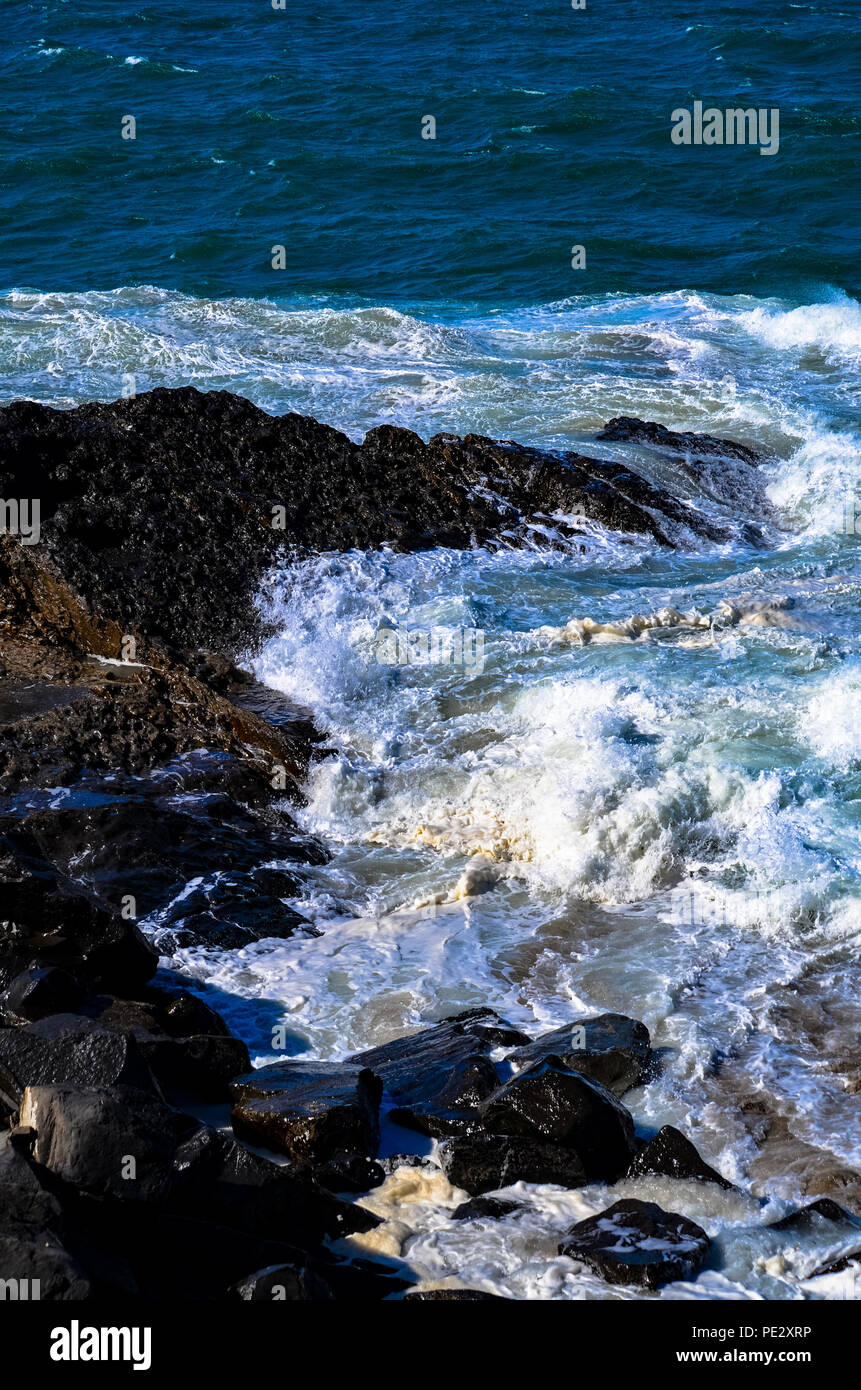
(303,127)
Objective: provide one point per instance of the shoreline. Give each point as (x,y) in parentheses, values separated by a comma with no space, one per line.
(159,517)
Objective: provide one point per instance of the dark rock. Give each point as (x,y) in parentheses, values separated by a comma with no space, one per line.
(453,1296)
(437,1076)
(312,1111)
(625,427)
(811,1216)
(549,1102)
(283,1284)
(489,1028)
(219,1180)
(638,1243)
(836,1266)
(198,1066)
(39,991)
(70,1051)
(353,1174)
(25,1200)
(151,850)
(393,1162)
(35,1265)
(484,1162)
(671,1155)
(185,1014)
(611,1048)
(720,469)
(194,479)
(90,1137)
(45,922)
(453,1108)
(485,1209)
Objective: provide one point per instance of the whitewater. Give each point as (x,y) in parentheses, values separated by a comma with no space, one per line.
(646,795)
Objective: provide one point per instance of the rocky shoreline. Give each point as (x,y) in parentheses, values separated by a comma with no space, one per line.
(136,756)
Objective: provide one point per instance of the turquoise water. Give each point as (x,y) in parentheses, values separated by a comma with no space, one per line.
(665,826)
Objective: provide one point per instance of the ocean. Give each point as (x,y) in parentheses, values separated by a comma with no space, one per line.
(664,825)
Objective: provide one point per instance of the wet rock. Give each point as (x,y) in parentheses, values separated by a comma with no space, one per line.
(218,1179)
(199,1066)
(720,469)
(671,1155)
(312,1111)
(151,850)
(484,1162)
(114,1140)
(611,1048)
(626,427)
(638,1243)
(453,1108)
(40,1267)
(485,1209)
(25,1199)
(38,992)
(393,1162)
(283,1284)
(131,720)
(810,1217)
(548,1102)
(489,1028)
(70,1051)
(185,1015)
(196,480)
(353,1174)
(44,922)
(438,1070)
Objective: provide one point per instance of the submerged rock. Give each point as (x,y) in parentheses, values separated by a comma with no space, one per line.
(811,1216)
(485,1209)
(638,1243)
